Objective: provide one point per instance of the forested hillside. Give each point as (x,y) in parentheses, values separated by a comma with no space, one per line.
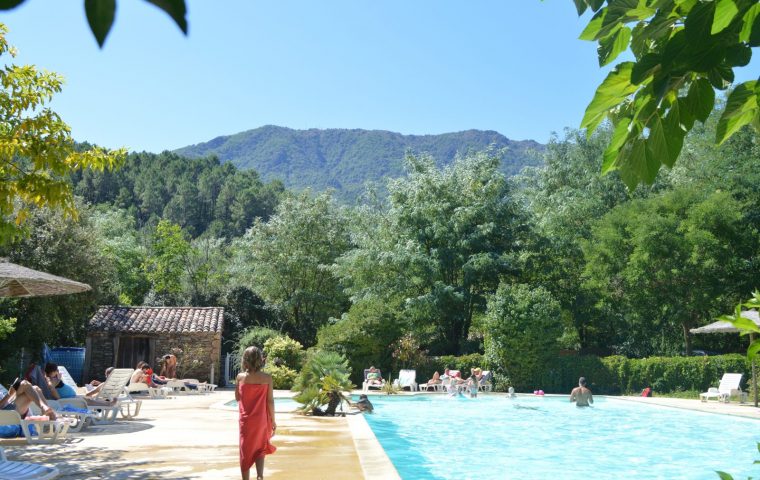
(200,195)
(346,159)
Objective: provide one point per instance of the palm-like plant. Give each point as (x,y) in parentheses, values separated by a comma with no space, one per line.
(324,379)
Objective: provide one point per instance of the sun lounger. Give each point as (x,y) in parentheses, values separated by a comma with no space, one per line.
(729,385)
(113,388)
(47,431)
(366,385)
(24,470)
(408,379)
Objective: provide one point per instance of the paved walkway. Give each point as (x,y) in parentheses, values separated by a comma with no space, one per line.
(184,438)
(712,406)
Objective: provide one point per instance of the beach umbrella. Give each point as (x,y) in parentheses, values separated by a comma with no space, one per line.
(728,327)
(18,281)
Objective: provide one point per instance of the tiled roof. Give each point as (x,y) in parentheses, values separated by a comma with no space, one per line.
(157,319)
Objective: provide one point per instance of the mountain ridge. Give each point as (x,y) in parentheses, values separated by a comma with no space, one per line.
(345,159)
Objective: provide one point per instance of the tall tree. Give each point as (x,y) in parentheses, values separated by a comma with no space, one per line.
(668,262)
(287,260)
(444,241)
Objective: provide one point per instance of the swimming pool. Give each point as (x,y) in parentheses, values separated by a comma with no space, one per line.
(494,437)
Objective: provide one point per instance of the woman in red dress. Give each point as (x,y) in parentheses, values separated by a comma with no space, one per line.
(253,393)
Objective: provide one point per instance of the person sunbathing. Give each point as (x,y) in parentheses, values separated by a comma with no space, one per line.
(374,377)
(57,387)
(21,395)
(91,397)
(435,380)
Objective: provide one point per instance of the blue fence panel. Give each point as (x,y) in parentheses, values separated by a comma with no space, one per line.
(72,358)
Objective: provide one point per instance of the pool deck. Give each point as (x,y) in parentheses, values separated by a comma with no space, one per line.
(192,436)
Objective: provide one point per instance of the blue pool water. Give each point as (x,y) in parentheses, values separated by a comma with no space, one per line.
(494,437)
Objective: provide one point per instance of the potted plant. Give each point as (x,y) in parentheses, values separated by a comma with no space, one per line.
(323,380)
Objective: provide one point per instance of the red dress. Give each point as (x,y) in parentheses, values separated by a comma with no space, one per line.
(255,424)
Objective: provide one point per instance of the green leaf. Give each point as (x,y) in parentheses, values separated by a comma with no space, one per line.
(612,91)
(738,55)
(100,15)
(698,22)
(9,4)
(632,163)
(750,24)
(580,6)
(754,347)
(673,132)
(725,11)
(724,476)
(701,99)
(721,77)
(593,27)
(610,47)
(645,67)
(741,108)
(619,136)
(176,9)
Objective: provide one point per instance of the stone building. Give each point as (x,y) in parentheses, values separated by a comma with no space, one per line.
(122,336)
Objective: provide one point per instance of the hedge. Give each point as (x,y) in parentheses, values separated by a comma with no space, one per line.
(621,375)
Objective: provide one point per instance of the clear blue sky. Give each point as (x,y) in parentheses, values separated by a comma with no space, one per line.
(415,67)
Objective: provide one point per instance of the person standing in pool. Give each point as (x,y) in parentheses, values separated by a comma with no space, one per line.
(253,391)
(581,395)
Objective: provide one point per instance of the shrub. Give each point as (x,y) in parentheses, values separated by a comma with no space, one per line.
(616,374)
(283,377)
(520,338)
(256,336)
(288,351)
(363,336)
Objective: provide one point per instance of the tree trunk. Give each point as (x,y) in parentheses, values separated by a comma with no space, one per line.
(332,406)
(686,337)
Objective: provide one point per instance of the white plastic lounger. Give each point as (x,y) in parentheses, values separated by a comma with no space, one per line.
(24,470)
(408,379)
(729,385)
(47,431)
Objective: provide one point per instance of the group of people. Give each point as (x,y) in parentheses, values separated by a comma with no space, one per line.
(47,384)
(456,383)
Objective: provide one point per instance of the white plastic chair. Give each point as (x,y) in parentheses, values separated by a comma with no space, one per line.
(408,379)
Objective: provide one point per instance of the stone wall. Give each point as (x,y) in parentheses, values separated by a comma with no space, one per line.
(197,353)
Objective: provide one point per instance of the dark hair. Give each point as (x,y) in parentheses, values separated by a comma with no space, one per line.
(582,381)
(145,365)
(141,364)
(50,367)
(253,359)
(167,356)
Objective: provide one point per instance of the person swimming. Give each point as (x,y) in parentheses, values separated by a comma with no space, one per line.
(581,395)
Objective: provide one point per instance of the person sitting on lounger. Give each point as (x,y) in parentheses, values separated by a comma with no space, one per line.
(139,375)
(21,395)
(581,395)
(58,389)
(374,377)
(435,380)
(91,397)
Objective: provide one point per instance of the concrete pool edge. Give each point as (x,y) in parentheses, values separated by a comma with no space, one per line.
(375,463)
